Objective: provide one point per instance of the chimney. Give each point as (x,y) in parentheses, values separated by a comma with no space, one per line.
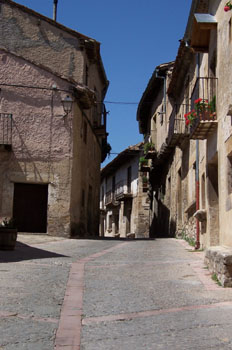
(55,9)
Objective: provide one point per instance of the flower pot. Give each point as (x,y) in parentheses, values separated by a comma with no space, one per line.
(8,237)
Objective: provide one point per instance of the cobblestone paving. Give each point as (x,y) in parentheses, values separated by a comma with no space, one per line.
(124,295)
(32,286)
(152,295)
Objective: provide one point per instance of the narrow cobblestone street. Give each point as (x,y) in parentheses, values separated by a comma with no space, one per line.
(110,294)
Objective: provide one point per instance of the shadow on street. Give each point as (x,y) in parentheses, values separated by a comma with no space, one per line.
(25,252)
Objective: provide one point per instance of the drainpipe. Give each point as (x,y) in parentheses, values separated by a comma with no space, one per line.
(197,245)
(55,9)
(164,91)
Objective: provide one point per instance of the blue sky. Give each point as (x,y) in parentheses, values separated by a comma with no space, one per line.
(135,37)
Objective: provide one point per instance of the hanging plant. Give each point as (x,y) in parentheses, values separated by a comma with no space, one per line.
(143,161)
(228,6)
(149,146)
(203,110)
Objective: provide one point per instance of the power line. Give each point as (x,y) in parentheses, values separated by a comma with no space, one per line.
(126,103)
(122,103)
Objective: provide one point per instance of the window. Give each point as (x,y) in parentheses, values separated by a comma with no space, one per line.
(229,172)
(95,110)
(102,195)
(86,75)
(110,223)
(113,184)
(129,179)
(230,29)
(169,191)
(85,131)
(203,191)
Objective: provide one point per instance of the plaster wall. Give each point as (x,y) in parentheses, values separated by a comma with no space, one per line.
(48,148)
(41,138)
(37,40)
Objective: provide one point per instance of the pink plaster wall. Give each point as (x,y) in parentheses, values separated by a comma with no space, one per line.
(39,130)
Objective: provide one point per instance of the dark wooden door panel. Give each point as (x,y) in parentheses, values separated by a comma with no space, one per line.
(30,207)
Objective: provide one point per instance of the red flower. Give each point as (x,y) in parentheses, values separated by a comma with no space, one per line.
(226,8)
(197,101)
(187,121)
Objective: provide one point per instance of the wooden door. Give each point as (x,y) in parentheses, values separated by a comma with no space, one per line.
(30,207)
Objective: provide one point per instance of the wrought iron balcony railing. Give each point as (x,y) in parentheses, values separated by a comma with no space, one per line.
(99,120)
(110,199)
(203,115)
(122,191)
(178,130)
(6,130)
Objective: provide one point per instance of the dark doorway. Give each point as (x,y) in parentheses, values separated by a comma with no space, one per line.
(30,207)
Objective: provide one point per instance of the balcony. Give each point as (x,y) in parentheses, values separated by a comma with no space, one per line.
(5,131)
(149,151)
(100,126)
(178,130)
(145,183)
(144,165)
(122,192)
(203,116)
(110,200)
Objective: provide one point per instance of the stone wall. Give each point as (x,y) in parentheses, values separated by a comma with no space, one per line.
(219,261)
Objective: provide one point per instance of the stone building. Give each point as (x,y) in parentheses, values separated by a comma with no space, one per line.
(189,123)
(124,203)
(50,158)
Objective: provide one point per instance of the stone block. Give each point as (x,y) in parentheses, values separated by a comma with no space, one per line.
(219,261)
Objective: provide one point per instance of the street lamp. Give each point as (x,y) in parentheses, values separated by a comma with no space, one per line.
(67,104)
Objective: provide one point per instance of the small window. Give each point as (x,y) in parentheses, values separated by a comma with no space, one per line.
(113,184)
(229,172)
(230,30)
(129,179)
(86,75)
(203,191)
(110,223)
(102,194)
(85,131)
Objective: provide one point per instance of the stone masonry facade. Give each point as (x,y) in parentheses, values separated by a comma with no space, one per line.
(188,121)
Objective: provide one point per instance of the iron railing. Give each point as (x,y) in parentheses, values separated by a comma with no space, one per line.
(99,116)
(203,99)
(109,197)
(177,122)
(121,189)
(5,129)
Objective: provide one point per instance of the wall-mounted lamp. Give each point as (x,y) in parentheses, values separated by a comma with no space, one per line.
(67,104)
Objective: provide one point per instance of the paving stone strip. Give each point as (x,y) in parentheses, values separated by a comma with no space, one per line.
(68,335)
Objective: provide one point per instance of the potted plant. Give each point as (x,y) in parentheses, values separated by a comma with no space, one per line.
(8,234)
(149,146)
(228,6)
(143,161)
(204,110)
(145,181)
